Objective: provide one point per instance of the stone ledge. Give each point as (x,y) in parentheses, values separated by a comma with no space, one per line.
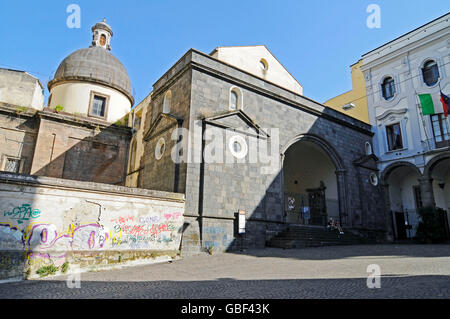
(31,180)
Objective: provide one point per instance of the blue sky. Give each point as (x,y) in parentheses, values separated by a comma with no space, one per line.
(316,40)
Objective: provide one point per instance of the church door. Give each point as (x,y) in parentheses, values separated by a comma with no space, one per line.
(317,205)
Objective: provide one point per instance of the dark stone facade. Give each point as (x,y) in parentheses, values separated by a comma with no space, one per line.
(215,192)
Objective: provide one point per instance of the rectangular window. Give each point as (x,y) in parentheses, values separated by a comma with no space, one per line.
(394,137)
(440,130)
(98,106)
(12,165)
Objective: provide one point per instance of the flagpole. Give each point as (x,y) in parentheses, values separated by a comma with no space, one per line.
(423,120)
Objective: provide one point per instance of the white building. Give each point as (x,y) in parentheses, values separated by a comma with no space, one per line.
(413,148)
(92,82)
(21,89)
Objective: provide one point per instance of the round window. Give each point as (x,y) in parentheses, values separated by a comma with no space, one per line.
(238,147)
(160,148)
(374,179)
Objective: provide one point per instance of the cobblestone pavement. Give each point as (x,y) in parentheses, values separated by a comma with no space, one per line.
(407,271)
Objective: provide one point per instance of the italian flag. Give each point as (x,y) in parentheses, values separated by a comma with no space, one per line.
(432,104)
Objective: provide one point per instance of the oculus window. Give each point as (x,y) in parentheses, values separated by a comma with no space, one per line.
(430,73)
(388,88)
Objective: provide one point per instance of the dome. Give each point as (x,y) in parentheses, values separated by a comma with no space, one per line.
(96,65)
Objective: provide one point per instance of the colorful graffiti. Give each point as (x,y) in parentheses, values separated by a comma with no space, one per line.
(45,236)
(23,213)
(128,232)
(139,233)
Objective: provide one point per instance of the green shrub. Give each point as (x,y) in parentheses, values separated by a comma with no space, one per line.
(21,109)
(65,267)
(47,270)
(430,228)
(59,108)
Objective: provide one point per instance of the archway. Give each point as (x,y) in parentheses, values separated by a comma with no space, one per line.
(438,169)
(311,187)
(404,196)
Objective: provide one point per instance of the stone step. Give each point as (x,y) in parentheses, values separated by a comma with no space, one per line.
(298,236)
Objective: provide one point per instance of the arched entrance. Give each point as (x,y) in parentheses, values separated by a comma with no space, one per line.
(311,183)
(404,196)
(438,171)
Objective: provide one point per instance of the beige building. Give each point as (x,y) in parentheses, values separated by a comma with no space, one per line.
(136,120)
(21,89)
(260,62)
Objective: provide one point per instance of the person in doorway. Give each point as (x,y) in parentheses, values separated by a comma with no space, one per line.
(330,225)
(341,231)
(306,215)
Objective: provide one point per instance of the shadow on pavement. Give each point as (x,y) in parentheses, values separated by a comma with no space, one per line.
(396,287)
(342,252)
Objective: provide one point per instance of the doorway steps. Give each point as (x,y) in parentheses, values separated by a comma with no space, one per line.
(299,236)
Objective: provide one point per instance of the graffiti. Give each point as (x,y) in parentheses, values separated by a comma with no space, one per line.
(214,230)
(173,216)
(122,220)
(149,220)
(89,237)
(11,237)
(23,213)
(145,230)
(45,236)
(149,229)
(47,240)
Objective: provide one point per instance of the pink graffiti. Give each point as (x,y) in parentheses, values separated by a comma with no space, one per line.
(174,215)
(123,220)
(140,230)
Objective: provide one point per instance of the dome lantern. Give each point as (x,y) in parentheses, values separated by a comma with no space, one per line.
(90,75)
(101,35)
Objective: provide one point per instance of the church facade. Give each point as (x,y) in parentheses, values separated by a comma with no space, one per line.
(231,131)
(207,119)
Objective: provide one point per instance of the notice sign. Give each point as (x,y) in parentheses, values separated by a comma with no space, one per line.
(242,222)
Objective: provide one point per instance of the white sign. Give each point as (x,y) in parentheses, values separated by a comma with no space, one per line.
(241,222)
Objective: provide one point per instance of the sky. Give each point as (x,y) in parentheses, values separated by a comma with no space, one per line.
(316,41)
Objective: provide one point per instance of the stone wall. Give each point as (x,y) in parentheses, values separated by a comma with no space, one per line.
(83,226)
(63,145)
(18,133)
(20,88)
(216,192)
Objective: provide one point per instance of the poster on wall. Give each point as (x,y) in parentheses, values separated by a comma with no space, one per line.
(291,203)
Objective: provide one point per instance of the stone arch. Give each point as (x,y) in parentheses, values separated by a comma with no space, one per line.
(335,159)
(325,146)
(390,168)
(433,162)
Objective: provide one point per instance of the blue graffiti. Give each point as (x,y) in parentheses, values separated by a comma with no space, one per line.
(23,213)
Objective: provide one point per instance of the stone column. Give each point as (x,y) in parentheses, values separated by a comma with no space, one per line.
(389,217)
(342,195)
(426,189)
(283,199)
